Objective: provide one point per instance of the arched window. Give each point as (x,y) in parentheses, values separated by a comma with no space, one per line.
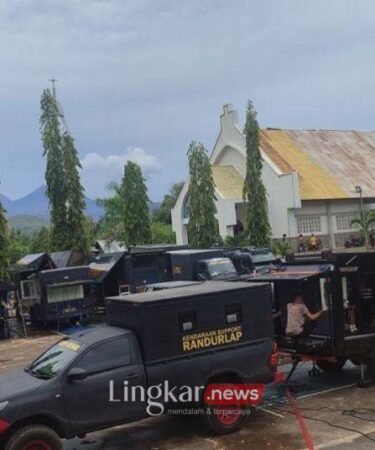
(185,205)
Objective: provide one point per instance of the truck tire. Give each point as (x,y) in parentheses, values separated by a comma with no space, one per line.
(34,437)
(225,419)
(330,366)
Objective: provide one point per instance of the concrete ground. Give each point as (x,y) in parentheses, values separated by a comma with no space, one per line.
(328,398)
(15,353)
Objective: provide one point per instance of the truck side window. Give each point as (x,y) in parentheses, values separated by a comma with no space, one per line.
(233,313)
(109,355)
(188,321)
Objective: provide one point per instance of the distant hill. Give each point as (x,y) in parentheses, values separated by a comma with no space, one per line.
(27,224)
(36,204)
(30,213)
(5,201)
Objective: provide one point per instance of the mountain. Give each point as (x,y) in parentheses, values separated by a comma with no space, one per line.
(5,201)
(36,204)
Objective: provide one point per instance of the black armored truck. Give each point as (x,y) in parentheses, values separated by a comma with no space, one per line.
(159,352)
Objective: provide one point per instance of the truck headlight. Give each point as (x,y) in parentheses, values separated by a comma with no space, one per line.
(3,405)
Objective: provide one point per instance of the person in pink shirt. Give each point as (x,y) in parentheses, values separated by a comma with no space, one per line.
(300,320)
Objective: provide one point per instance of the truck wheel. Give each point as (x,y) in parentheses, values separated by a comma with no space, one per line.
(34,437)
(330,366)
(225,419)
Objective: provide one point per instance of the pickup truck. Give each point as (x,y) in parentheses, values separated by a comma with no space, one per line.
(190,337)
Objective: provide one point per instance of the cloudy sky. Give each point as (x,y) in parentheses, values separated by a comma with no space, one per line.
(140,79)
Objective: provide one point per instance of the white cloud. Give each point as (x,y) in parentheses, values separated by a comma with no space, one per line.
(98,170)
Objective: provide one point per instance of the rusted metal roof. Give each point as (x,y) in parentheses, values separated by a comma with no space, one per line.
(329,163)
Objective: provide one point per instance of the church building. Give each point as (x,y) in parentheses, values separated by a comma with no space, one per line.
(317,181)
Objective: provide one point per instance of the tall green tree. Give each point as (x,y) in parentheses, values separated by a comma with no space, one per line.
(64,189)
(4,245)
(202,226)
(257,226)
(111,225)
(162,233)
(40,241)
(136,214)
(55,170)
(163,214)
(19,245)
(78,235)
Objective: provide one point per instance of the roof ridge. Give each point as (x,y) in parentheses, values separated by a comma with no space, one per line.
(316,129)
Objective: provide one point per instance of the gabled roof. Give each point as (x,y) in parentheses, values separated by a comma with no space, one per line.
(329,164)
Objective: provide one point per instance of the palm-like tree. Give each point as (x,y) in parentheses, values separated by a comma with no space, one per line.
(238,240)
(364,222)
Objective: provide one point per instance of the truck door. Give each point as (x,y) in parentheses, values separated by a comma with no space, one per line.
(92,402)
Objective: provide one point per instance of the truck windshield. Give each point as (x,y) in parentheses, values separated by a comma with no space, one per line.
(262,257)
(221,268)
(50,363)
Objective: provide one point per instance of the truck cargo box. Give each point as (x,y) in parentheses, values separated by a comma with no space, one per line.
(199,318)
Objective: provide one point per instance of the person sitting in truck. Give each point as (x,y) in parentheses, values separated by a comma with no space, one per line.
(301,321)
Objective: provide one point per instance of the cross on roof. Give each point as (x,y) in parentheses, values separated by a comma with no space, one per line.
(53,81)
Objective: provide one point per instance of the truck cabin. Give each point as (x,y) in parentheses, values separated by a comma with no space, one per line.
(314,284)
(250,259)
(242,261)
(262,259)
(183,264)
(216,269)
(58,295)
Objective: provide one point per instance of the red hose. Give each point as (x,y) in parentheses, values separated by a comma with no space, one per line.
(305,432)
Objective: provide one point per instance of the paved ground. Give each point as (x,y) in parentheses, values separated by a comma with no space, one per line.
(16,353)
(263,431)
(272,428)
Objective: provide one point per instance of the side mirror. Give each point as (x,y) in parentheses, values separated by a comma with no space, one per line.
(77,374)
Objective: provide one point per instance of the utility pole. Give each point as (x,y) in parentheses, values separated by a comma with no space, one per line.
(359,191)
